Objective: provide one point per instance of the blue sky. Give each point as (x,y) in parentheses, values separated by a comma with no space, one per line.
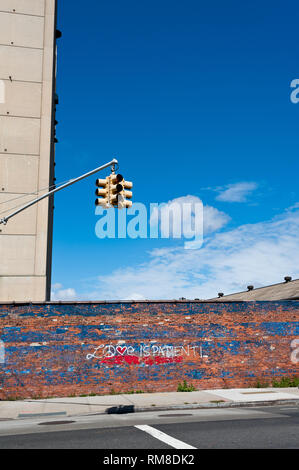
(193,98)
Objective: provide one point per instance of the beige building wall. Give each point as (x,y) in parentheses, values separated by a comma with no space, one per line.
(27,85)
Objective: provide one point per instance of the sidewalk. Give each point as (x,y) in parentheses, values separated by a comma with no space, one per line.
(147,402)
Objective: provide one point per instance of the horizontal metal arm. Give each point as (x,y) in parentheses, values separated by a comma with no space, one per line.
(69,183)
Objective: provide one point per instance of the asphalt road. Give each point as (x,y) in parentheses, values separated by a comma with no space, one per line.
(275,427)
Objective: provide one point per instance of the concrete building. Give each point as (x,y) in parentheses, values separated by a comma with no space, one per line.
(287,290)
(27,112)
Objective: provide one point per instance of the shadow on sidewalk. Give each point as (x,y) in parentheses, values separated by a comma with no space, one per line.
(121,409)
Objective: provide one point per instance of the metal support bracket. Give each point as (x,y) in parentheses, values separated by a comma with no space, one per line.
(5,219)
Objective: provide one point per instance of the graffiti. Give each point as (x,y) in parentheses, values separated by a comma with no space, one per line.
(144,353)
(295,353)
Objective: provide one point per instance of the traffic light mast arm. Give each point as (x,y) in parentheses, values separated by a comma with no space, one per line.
(69,183)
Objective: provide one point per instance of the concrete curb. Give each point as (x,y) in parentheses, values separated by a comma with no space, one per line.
(238,404)
(248,404)
(124,409)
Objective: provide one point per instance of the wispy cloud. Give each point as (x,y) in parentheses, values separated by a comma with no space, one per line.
(237,192)
(258,254)
(57,286)
(58,293)
(213,219)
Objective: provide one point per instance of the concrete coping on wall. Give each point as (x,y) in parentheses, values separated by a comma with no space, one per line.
(174,301)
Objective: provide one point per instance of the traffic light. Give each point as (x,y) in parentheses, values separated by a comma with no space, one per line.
(120,196)
(113,192)
(102,193)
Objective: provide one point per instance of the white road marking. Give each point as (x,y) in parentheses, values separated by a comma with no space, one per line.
(171,441)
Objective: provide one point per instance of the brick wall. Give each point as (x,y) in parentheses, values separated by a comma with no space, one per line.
(62,349)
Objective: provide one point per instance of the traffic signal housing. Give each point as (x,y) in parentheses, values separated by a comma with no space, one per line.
(120,195)
(102,192)
(113,192)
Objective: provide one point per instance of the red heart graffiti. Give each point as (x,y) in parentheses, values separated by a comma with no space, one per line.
(121,350)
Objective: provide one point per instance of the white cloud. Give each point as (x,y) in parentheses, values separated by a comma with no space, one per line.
(63,294)
(237,192)
(135,296)
(213,219)
(258,254)
(57,286)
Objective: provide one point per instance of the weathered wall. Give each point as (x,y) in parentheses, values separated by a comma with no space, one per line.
(66,349)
